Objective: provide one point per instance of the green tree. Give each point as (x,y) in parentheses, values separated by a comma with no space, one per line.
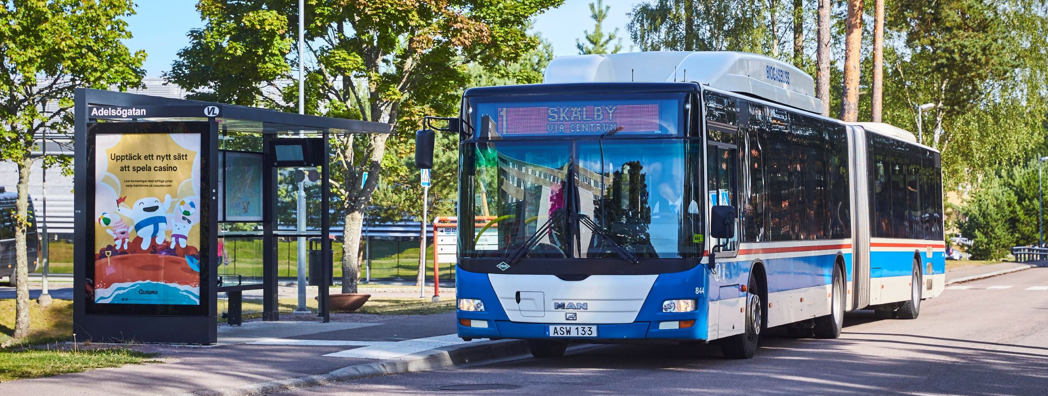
(982,64)
(1003,211)
(597,42)
(237,33)
(387,61)
(988,213)
(529,69)
(47,49)
(398,197)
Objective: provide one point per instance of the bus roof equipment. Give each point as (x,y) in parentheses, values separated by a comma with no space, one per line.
(740,72)
(888,130)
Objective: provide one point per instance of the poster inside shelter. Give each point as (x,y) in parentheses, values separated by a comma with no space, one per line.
(243,191)
(147,211)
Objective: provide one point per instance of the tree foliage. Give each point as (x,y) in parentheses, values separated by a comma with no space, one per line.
(597,42)
(387,61)
(700,25)
(988,212)
(1003,212)
(47,49)
(982,64)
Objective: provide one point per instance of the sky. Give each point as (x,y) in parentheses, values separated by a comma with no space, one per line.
(160,28)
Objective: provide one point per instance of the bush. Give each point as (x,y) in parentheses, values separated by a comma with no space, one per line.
(1003,212)
(990,220)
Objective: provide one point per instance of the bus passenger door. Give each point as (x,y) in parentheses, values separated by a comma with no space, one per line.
(721,176)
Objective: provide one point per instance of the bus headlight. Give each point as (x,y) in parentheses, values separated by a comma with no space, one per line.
(678,306)
(469,304)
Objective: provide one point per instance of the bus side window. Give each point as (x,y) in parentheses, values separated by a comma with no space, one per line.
(754,195)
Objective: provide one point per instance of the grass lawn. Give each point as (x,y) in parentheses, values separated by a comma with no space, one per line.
(35,363)
(252,309)
(954,264)
(52,324)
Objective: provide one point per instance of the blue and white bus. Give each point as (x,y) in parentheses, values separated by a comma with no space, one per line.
(684,197)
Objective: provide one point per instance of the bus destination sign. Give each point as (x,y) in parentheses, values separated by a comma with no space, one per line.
(577,118)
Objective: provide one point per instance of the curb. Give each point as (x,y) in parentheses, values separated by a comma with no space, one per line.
(1018,268)
(445,357)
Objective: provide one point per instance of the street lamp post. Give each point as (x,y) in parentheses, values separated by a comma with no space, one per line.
(920,120)
(1040,201)
(301,196)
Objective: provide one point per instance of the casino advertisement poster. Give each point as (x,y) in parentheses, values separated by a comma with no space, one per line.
(583,117)
(147,231)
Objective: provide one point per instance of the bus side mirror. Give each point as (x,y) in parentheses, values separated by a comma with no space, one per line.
(722,222)
(424,140)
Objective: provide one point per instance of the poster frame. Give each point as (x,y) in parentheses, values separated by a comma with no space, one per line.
(201,128)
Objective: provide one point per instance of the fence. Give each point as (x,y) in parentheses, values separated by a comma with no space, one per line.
(1025,254)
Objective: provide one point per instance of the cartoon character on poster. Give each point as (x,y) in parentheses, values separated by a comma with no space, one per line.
(146,236)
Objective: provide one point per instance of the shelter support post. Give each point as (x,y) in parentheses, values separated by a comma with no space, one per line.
(325,230)
(270,293)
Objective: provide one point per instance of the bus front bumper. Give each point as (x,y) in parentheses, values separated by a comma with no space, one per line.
(604,332)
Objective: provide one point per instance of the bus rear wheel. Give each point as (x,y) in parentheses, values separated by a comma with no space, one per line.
(744,346)
(910,309)
(830,326)
(547,348)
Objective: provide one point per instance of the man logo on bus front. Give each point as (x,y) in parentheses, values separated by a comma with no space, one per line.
(577,306)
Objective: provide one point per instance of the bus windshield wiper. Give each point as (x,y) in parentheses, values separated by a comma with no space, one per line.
(534,239)
(615,246)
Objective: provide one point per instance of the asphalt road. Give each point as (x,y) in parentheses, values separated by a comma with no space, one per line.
(988,338)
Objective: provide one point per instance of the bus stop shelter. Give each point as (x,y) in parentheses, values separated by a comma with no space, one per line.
(162,188)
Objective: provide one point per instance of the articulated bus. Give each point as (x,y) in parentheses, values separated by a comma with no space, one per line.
(684,197)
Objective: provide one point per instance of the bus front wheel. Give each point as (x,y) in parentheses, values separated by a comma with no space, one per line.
(744,346)
(547,348)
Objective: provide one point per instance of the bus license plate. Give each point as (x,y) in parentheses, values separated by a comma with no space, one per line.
(573,331)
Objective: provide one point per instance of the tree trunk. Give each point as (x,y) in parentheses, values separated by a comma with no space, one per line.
(852,61)
(21,257)
(798,33)
(822,75)
(773,11)
(689,25)
(355,206)
(350,248)
(878,60)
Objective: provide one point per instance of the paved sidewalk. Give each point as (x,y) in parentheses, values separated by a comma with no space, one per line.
(974,272)
(253,358)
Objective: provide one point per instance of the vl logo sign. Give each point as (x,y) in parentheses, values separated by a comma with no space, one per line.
(211,111)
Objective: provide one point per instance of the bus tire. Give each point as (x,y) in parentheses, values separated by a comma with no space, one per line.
(830,326)
(744,346)
(547,348)
(912,308)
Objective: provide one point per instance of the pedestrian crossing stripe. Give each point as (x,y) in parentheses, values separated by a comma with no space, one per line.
(1031,288)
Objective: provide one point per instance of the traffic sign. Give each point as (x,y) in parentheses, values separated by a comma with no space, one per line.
(425,177)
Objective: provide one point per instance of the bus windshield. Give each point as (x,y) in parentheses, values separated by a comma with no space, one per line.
(558,193)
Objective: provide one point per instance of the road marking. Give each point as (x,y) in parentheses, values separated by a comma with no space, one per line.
(998,287)
(1037,288)
(292,342)
(394,350)
(958,288)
